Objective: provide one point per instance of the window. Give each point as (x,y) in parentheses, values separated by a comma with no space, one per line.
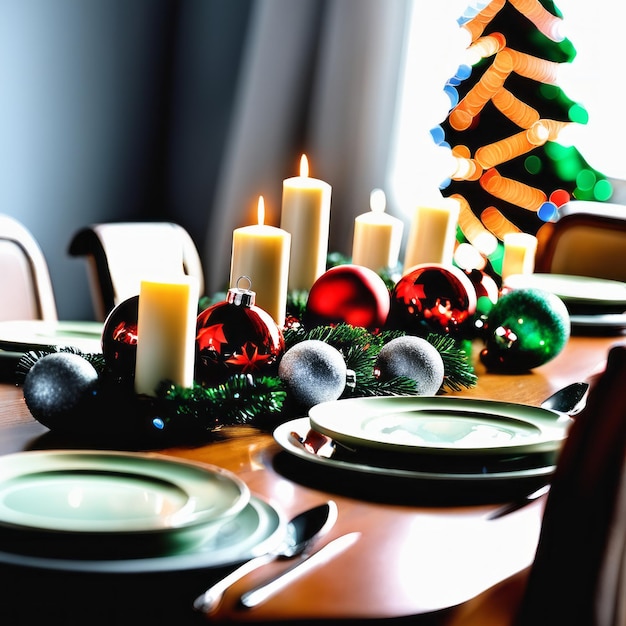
(436,47)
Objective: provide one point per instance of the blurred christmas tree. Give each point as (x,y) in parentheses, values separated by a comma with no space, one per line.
(506,113)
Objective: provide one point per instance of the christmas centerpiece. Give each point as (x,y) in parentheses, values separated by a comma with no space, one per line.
(247,370)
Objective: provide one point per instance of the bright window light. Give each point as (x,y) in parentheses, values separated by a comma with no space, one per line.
(437,46)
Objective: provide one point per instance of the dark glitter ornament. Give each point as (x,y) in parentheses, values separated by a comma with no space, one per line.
(59,390)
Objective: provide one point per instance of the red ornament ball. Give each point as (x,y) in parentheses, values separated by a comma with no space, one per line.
(350,294)
(433,298)
(119,338)
(236,337)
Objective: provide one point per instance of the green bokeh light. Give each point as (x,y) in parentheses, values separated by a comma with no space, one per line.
(533,164)
(549,92)
(585,180)
(578,114)
(603,190)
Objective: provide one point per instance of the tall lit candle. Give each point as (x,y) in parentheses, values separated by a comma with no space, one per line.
(261,253)
(306,216)
(432,234)
(519,254)
(377,235)
(166,333)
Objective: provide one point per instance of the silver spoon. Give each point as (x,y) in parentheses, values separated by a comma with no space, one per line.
(567,401)
(301,532)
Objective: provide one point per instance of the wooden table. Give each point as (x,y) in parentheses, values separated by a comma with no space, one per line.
(418,554)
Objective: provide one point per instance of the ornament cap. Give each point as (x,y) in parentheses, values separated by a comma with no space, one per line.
(241,297)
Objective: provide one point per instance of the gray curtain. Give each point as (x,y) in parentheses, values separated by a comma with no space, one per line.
(319,78)
(188,110)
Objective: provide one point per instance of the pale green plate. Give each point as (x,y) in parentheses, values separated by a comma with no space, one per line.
(580,290)
(256,530)
(439,425)
(24,335)
(113,492)
(300,427)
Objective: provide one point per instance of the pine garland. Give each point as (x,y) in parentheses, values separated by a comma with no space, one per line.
(259,400)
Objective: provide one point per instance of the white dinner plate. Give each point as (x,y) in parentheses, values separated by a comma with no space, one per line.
(256,530)
(574,290)
(608,321)
(439,425)
(113,493)
(301,426)
(24,335)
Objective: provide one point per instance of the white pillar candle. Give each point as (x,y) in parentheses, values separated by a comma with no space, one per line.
(305,215)
(261,253)
(432,234)
(377,236)
(519,254)
(166,333)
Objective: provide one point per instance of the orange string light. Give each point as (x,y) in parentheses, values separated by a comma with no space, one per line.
(477,24)
(473,228)
(533,67)
(487,46)
(504,150)
(490,83)
(496,223)
(554,128)
(512,107)
(548,24)
(461,151)
(512,191)
(466,167)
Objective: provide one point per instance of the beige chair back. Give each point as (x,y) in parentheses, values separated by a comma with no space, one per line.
(121,254)
(589,239)
(26,291)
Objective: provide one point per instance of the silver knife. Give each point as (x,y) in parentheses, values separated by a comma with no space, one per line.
(516,505)
(267,589)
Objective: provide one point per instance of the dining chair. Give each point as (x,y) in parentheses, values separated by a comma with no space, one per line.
(588,239)
(578,575)
(120,254)
(26,291)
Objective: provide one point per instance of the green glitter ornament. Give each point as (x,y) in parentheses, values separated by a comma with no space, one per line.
(526,328)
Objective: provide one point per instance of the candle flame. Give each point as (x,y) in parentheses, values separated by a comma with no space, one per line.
(378,201)
(304,166)
(261,211)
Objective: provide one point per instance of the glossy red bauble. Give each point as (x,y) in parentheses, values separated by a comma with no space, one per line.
(119,338)
(350,294)
(236,337)
(433,298)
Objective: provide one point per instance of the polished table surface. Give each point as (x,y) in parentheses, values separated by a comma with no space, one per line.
(419,554)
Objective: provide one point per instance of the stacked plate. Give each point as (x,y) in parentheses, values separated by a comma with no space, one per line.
(121,512)
(429,438)
(591,302)
(25,335)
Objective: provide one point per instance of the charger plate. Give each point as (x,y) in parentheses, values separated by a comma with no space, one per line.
(284,436)
(575,291)
(256,530)
(442,425)
(113,493)
(25,335)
